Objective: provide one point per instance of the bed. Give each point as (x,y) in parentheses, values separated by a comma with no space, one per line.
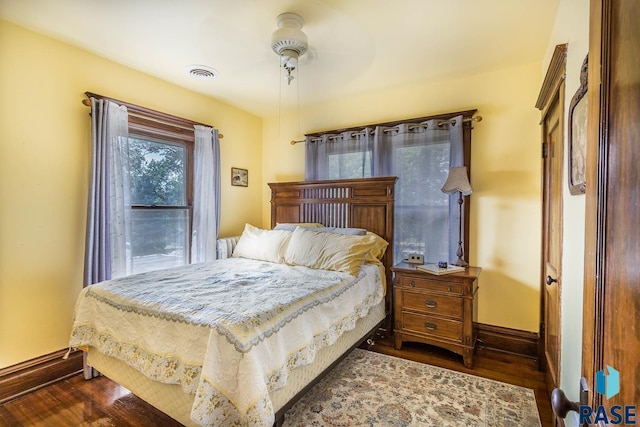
(291,321)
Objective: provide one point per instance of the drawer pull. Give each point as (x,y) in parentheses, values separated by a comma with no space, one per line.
(412,284)
(450,288)
(430,326)
(431,304)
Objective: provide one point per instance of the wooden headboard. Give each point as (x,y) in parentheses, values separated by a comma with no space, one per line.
(361,203)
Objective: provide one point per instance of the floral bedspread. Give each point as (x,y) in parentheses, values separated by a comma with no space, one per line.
(228,331)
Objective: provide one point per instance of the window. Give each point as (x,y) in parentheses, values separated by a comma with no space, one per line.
(160,202)
(161,179)
(420,153)
(421,209)
(147,210)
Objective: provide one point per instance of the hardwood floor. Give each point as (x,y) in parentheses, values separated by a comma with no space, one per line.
(100,402)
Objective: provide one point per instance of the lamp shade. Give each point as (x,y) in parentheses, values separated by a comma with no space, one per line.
(457,181)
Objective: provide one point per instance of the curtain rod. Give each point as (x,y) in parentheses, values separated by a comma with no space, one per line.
(138,111)
(411,127)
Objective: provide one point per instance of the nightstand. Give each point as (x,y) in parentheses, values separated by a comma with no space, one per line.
(436,309)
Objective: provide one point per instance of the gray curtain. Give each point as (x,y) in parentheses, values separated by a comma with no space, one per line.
(107,253)
(107,249)
(340,156)
(420,155)
(311,159)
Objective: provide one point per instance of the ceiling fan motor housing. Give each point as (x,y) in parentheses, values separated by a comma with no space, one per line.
(289,40)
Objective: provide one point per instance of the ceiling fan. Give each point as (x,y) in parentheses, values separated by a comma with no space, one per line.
(289,42)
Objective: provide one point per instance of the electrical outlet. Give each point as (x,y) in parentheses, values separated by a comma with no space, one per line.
(415,259)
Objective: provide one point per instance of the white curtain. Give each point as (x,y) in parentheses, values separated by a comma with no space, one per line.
(120,195)
(206,194)
(420,155)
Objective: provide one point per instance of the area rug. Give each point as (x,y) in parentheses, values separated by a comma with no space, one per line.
(372,389)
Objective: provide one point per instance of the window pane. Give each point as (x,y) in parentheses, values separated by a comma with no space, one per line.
(422,210)
(160,238)
(350,165)
(422,230)
(158,173)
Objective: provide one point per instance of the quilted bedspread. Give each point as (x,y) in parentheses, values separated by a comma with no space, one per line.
(228,331)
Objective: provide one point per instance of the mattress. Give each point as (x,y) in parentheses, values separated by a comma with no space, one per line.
(171,399)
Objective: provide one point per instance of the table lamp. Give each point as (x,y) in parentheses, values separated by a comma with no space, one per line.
(458,182)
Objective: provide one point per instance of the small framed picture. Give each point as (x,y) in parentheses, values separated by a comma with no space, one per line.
(239,177)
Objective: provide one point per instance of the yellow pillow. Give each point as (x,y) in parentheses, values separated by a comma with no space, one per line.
(328,251)
(378,249)
(262,245)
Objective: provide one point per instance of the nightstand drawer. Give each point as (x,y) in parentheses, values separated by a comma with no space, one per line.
(431,285)
(432,303)
(433,326)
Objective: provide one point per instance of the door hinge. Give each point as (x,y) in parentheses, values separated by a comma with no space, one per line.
(545,150)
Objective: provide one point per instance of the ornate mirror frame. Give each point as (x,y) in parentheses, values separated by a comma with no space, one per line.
(578,135)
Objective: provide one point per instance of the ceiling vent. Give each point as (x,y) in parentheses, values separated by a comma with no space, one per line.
(202,72)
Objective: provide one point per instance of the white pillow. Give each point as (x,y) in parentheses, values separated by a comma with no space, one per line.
(290,226)
(262,245)
(350,231)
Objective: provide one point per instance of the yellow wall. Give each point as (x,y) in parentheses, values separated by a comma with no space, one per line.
(506,172)
(44,154)
(44,167)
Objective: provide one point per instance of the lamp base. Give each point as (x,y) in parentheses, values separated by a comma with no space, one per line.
(461,263)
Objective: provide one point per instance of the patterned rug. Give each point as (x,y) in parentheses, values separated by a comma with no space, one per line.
(372,389)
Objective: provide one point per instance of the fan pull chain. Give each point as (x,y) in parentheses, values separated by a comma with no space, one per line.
(279,97)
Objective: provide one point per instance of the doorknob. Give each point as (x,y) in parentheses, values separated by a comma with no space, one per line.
(551,280)
(560,404)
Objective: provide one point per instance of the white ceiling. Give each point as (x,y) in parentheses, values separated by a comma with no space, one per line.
(360,45)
